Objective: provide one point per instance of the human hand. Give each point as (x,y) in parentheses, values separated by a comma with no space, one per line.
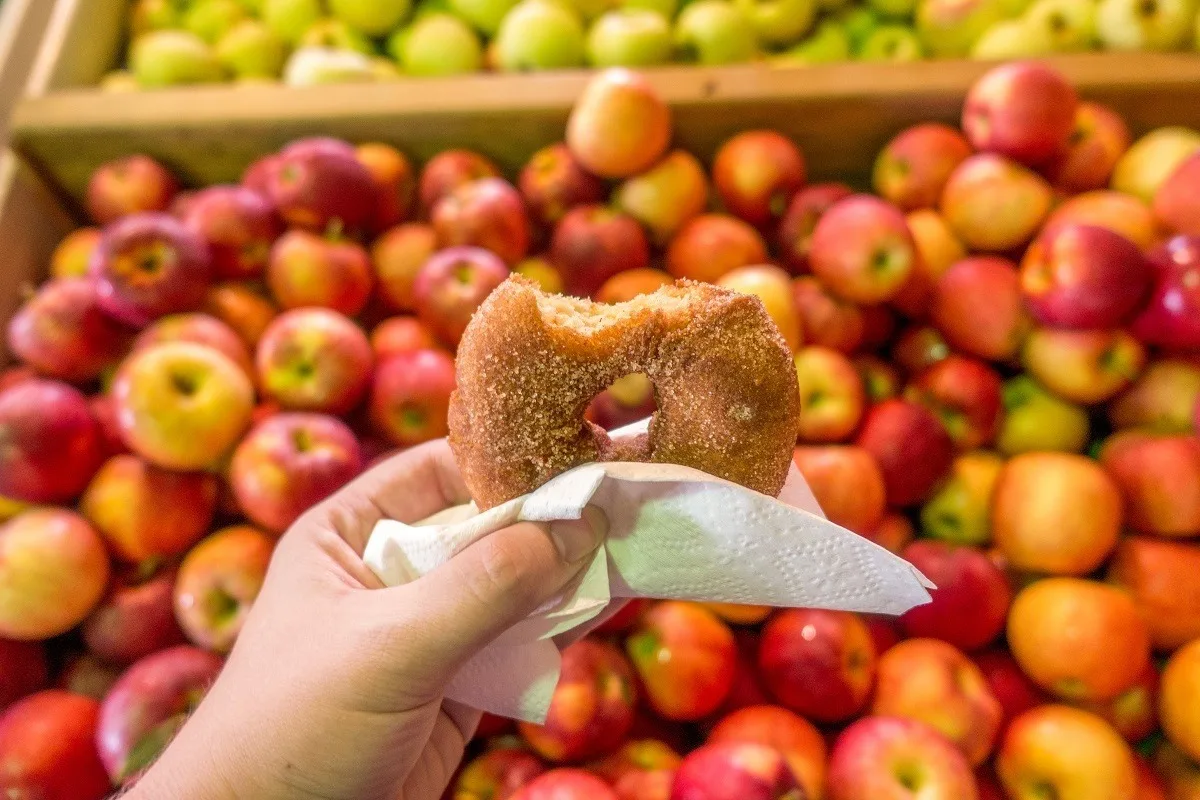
(334,688)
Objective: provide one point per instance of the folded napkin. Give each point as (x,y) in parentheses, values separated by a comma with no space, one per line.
(674,532)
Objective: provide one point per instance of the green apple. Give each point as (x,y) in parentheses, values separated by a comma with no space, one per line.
(828,44)
(1158,25)
(484,15)
(1012,38)
(337,35)
(891,43)
(1070,25)
(315,66)
(252,50)
(1035,419)
(629,38)
(289,19)
(537,35)
(590,10)
(894,9)
(212,19)
(1011,9)
(437,44)
(832,5)
(950,28)
(372,17)
(173,58)
(714,32)
(779,23)
(119,81)
(426,7)
(255,7)
(859,23)
(960,510)
(666,8)
(155,15)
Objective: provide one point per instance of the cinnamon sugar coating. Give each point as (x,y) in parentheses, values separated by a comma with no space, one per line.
(530,363)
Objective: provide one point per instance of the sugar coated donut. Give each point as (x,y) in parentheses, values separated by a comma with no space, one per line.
(530,363)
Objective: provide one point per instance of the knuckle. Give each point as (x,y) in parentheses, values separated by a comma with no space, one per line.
(503,562)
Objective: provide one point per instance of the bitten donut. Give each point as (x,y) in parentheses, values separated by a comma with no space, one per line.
(530,363)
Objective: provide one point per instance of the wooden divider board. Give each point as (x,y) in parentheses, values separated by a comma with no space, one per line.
(840,115)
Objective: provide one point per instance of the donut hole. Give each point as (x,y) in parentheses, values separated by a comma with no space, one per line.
(626,400)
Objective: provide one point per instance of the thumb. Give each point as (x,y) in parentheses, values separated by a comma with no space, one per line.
(461,606)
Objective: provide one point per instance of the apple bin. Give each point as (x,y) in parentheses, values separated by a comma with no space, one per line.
(987,276)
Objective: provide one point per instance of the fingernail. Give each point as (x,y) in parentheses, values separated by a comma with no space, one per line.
(576,538)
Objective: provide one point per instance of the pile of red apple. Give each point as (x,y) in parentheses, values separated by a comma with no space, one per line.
(201,367)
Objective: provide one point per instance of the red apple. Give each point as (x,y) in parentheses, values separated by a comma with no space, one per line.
(880,379)
(1161,399)
(449,170)
(318,182)
(919,347)
(735,770)
(148,705)
(796,227)
(1084,366)
(626,401)
(1082,276)
(1120,213)
(747,689)
(630,283)
(1024,110)
(934,682)
(977,305)
(831,395)
(198,329)
(826,320)
(496,775)
(862,249)
(893,533)
(708,246)
(1160,577)
(912,169)
(666,196)
(1172,314)
(995,204)
(314,359)
(1099,138)
(819,664)
(565,784)
(149,265)
(127,186)
(1134,712)
(290,462)
(147,513)
(1008,684)
(397,256)
(642,769)
(970,603)
(847,483)
(1159,478)
(239,225)
(54,569)
(794,737)
(913,449)
(243,308)
(257,177)
(592,707)
(218,583)
(23,670)
(48,751)
(104,411)
(756,173)
(451,285)
(619,125)
(893,758)
(135,619)
(307,270)
(180,386)
(392,174)
(487,213)
(62,332)
(1177,201)
(51,442)
(400,335)
(553,182)
(410,396)
(594,243)
(965,395)
(685,657)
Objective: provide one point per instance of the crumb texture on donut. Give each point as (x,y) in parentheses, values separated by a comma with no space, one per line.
(530,363)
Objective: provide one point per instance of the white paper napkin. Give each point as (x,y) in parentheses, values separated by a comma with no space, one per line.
(674,532)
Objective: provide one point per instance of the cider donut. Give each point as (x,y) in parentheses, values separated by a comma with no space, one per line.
(529,364)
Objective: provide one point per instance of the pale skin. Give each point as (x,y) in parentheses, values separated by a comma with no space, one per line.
(334,689)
